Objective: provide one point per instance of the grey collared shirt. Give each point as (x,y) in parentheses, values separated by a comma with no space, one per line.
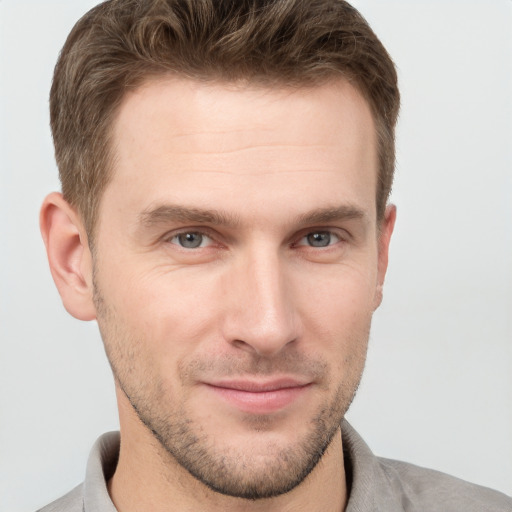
(374,484)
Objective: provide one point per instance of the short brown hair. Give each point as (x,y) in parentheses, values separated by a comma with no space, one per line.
(119,44)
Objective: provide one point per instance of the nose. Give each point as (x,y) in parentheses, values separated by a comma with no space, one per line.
(261,316)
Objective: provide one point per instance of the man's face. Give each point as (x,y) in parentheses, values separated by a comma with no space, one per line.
(236,269)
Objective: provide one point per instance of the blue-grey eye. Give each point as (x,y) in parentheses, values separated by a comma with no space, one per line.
(319,239)
(190,240)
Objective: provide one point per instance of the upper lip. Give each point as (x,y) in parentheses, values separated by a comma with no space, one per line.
(259,386)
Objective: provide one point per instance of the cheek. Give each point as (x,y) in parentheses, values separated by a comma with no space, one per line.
(336,314)
(168,313)
(148,294)
(343,294)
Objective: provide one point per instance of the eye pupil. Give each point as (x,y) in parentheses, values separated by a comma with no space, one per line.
(190,240)
(319,239)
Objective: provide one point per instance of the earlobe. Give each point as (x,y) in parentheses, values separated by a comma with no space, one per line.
(386,230)
(69,255)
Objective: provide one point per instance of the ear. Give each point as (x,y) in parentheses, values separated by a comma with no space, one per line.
(69,256)
(386,230)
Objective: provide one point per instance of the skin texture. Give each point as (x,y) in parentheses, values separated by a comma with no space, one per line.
(237,265)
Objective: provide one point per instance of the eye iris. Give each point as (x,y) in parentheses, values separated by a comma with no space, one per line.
(190,240)
(320,239)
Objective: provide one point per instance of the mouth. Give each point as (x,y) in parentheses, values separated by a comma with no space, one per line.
(259,397)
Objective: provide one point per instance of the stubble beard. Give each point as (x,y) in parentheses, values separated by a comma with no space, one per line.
(230,472)
(233,473)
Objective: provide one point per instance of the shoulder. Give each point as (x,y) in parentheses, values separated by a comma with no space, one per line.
(390,486)
(73,501)
(427,489)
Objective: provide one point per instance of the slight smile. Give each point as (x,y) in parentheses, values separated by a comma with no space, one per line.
(259,397)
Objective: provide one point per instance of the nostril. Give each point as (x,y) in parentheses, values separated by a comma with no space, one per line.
(242,345)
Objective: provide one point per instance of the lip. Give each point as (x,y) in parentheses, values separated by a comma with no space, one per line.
(259,397)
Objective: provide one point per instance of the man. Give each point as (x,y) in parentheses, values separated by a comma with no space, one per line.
(225,170)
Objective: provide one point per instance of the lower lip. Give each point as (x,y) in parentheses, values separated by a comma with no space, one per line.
(263,402)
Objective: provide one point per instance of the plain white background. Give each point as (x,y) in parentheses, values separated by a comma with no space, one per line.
(437,389)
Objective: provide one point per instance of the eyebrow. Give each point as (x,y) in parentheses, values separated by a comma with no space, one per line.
(339,213)
(167,214)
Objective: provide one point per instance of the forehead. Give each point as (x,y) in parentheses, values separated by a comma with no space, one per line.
(179,137)
(196,112)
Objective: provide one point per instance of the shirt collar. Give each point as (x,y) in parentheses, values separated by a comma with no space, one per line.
(100,468)
(369,487)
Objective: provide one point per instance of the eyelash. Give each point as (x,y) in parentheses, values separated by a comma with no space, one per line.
(203,234)
(189,232)
(321,232)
